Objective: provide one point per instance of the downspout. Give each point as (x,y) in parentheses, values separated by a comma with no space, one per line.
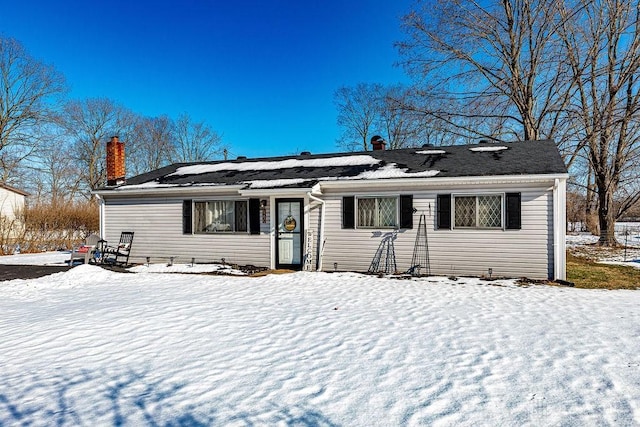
(321,238)
(101,213)
(559,230)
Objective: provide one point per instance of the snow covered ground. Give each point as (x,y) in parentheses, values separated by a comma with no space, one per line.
(95,347)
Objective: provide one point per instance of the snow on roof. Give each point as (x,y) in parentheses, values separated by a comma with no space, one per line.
(493,148)
(386,172)
(430,152)
(393,171)
(278,164)
(150,184)
(274,183)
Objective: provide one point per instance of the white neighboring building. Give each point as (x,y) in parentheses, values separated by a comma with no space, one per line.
(12,202)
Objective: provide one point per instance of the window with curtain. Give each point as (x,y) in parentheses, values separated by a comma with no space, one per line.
(220,216)
(478,211)
(377,212)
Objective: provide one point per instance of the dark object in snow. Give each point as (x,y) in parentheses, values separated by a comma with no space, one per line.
(565,283)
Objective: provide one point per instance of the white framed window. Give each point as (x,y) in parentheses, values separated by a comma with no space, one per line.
(220,216)
(482,211)
(377,212)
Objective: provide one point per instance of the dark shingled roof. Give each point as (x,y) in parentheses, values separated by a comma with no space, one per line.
(519,158)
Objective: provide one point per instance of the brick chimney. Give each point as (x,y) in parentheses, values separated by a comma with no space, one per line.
(377,142)
(115,162)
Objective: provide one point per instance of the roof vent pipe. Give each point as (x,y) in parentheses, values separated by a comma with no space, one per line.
(241,158)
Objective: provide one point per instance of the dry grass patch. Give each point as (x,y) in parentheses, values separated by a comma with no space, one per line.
(586,273)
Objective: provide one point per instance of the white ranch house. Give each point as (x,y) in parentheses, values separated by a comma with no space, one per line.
(490,208)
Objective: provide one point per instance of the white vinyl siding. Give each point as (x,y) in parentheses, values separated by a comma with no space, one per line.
(528,251)
(513,253)
(157,224)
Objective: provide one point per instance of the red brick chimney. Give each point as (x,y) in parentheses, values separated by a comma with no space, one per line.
(115,162)
(377,142)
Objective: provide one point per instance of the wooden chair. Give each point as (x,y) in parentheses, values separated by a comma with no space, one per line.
(84,253)
(118,255)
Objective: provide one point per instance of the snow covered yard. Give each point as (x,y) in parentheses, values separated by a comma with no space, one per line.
(95,347)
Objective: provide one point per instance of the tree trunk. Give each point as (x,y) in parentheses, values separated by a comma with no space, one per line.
(607,217)
(591,206)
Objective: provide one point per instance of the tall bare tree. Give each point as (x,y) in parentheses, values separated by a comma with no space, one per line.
(401,126)
(26,87)
(602,46)
(90,123)
(357,113)
(52,174)
(375,109)
(151,144)
(496,67)
(195,141)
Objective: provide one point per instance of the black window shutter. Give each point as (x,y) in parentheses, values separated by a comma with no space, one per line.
(254,216)
(406,211)
(444,212)
(187,222)
(348,212)
(513,214)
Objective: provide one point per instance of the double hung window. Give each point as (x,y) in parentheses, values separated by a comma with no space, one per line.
(478,211)
(377,212)
(484,211)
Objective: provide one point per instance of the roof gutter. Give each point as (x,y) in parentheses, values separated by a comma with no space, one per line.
(444,181)
(266,192)
(168,191)
(321,238)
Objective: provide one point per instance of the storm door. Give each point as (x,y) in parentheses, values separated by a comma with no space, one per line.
(289,232)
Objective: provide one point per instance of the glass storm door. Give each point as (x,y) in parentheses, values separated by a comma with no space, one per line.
(289,233)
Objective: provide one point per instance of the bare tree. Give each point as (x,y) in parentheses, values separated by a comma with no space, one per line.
(90,123)
(357,114)
(403,125)
(496,67)
(375,109)
(602,46)
(195,141)
(151,144)
(26,85)
(52,174)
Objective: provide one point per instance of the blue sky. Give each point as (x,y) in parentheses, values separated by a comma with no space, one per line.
(262,73)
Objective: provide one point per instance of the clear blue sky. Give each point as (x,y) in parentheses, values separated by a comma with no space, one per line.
(262,73)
